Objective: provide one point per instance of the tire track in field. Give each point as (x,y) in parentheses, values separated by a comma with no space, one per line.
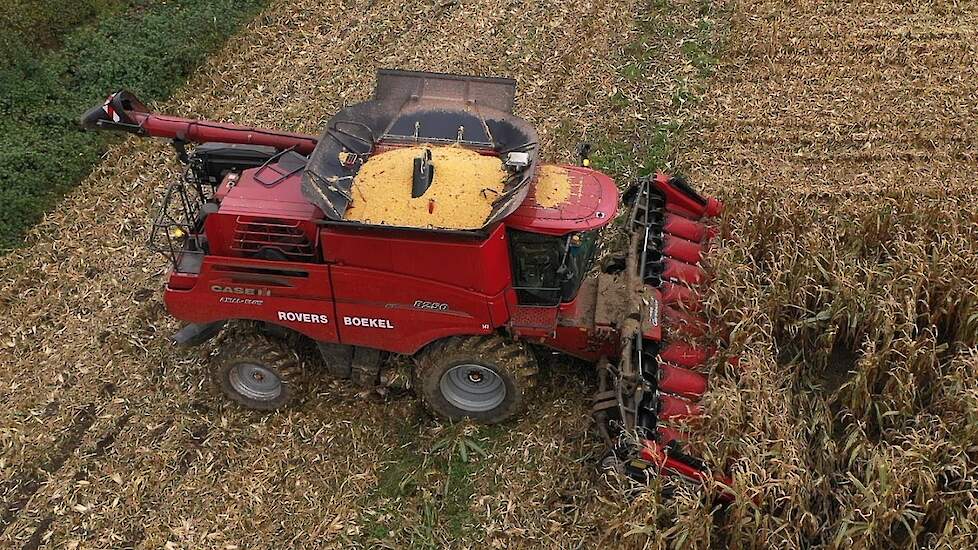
(92,457)
(26,484)
(153,502)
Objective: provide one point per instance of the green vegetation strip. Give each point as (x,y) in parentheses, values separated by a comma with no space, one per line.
(147,47)
(34,24)
(645,146)
(424,493)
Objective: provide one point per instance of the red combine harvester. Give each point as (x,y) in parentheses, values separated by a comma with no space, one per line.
(260,228)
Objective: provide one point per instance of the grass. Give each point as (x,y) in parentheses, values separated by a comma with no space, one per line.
(646,146)
(423,495)
(147,47)
(30,26)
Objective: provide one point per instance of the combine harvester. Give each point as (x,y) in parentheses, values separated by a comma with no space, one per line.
(423,223)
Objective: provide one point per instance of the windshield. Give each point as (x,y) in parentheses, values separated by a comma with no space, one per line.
(577,263)
(547,269)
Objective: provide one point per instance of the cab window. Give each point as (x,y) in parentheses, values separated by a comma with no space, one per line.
(548,270)
(535,260)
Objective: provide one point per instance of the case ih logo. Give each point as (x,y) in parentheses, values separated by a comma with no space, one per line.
(654,313)
(296,317)
(367,322)
(241,290)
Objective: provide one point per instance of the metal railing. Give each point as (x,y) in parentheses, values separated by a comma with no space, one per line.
(175,232)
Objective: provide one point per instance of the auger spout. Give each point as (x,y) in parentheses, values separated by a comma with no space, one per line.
(123,112)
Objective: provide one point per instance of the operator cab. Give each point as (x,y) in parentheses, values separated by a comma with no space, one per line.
(553,235)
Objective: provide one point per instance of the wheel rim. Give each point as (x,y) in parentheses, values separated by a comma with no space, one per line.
(473,388)
(255,381)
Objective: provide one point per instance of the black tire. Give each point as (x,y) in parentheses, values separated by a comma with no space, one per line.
(247,366)
(445,368)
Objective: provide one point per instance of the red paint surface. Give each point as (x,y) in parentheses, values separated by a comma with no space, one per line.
(203,131)
(593,203)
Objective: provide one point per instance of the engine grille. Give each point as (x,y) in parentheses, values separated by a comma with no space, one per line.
(270,238)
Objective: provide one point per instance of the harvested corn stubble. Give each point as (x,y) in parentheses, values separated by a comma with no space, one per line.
(462,190)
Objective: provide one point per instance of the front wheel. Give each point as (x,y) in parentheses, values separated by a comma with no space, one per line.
(256,372)
(485,378)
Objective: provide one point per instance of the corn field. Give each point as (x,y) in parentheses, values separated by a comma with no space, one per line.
(842,138)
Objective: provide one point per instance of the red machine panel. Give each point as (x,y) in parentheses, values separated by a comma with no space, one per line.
(298,296)
(574,332)
(401,313)
(262,209)
(461,261)
(592,203)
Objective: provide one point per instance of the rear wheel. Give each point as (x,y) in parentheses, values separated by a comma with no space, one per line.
(485,378)
(257,372)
